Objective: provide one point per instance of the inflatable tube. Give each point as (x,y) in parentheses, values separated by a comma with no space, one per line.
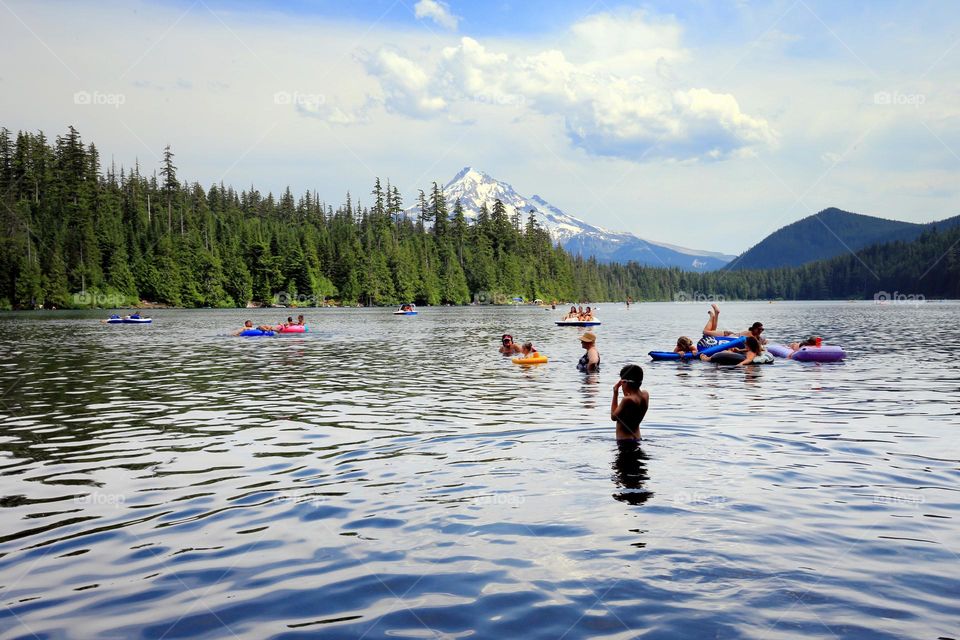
(294,328)
(577,323)
(825,353)
(724,344)
(535,360)
(727,357)
(251,333)
(129,320)
(779,350)
(114,321)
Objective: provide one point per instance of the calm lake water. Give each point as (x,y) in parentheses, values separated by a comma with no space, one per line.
(395,476)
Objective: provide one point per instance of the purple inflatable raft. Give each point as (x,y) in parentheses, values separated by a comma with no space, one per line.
(824,353)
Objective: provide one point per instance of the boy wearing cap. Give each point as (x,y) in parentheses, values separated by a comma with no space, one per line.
(628,413)
(590,361)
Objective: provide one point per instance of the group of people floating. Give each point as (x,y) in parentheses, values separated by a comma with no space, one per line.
(269,327)
(579,314)
(752,350)
(629,409)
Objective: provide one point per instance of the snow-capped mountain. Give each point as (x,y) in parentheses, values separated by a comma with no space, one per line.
(475,188)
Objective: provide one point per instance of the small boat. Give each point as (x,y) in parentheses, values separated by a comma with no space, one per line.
(406,310)
(136,319)
(578,323)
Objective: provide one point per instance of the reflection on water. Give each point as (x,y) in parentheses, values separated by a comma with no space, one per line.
(630,473)
(395,476)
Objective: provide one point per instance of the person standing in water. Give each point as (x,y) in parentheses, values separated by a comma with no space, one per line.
(629,412)
(590,361)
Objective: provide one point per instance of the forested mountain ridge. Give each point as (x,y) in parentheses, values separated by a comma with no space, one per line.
(75,235)
(829,233)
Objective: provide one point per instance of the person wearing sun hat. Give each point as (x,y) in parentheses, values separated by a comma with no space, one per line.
(590,361)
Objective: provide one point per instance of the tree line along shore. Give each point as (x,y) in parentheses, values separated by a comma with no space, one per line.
(77,234)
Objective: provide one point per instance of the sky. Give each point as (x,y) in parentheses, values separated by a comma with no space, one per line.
(706,124)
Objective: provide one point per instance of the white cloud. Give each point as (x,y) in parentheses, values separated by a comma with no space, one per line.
(608,88)
(406,85)
(437,11)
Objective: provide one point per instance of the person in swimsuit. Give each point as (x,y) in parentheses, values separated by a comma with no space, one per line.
(685,345)
(507,346)
(527,351)
(301,321)
(590,361)
(711,330)
(246,325)
(572,315)
(754,353)
(795,346)
(754,331)
(629,412)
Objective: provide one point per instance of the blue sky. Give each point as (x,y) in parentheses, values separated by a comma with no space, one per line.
(704,124)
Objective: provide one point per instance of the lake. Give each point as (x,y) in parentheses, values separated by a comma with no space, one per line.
(395,476)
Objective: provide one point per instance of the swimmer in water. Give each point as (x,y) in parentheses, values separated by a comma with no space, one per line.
(507,346)
(629,411)
(527,351)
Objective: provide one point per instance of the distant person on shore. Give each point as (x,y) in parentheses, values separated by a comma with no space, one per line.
(507,346)
(629,412)
(590,361)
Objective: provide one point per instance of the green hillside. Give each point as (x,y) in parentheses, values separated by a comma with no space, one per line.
(831,232)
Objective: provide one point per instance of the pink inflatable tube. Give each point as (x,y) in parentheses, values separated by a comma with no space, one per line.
(294,328)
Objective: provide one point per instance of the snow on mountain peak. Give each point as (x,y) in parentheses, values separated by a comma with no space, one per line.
(474,189)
